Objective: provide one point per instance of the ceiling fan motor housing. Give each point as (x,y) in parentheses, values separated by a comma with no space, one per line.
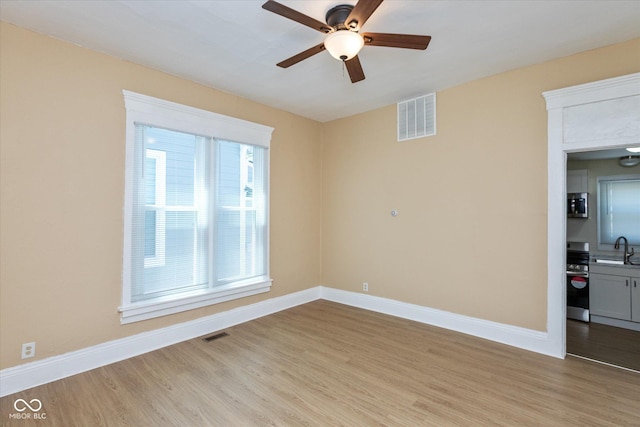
(337,15)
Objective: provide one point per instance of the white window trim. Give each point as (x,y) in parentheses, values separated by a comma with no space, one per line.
(599,180)
(144,109)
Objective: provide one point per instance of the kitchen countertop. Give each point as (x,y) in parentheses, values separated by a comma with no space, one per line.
(634,259)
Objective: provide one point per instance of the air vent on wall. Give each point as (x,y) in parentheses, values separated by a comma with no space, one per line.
(417,117)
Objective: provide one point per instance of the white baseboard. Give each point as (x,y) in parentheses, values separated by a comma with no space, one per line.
(506,334)
(22,377)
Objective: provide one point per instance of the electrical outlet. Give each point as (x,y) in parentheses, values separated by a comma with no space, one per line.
(365,287)
(28,350)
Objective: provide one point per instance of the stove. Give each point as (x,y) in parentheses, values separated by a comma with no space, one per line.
(578,281)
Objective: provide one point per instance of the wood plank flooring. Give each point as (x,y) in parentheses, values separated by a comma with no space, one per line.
(605,343)
(327,364)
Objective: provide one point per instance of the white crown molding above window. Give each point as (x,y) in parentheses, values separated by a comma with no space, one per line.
(147,109)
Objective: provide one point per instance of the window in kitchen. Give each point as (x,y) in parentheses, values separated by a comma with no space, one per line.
(196,209)
(618,209)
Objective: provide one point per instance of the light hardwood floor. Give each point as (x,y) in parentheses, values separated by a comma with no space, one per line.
(605,343)
(326,364)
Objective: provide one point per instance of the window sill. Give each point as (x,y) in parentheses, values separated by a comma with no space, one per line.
(163,306)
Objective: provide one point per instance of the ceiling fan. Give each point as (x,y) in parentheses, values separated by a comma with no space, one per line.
(343,40)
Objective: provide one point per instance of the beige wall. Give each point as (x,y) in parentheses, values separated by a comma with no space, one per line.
(333,186)
(470,199)
(62,192)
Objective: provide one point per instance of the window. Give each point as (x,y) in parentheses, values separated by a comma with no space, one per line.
(196,208)
(155,166)
(618,209)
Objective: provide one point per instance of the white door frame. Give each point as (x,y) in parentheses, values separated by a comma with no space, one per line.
(558,148)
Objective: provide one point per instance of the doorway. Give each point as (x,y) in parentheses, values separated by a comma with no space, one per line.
(614,345)
(561,104)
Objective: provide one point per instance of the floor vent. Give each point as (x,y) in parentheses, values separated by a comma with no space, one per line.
(417,117)
(215,337)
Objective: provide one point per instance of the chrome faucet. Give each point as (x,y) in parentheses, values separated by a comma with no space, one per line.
(627,254)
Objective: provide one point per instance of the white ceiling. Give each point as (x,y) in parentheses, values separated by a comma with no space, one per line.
(234,45)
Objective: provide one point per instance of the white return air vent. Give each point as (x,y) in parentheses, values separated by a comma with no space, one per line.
(417,117)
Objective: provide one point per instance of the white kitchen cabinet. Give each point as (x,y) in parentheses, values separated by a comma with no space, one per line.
(610,296)
(635,298)
(615,294)
(578,181)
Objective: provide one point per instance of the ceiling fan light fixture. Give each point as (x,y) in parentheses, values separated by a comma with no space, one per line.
(634,149)
(343,44)
(629,161)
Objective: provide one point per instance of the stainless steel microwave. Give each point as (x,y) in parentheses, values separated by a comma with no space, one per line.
(578,205)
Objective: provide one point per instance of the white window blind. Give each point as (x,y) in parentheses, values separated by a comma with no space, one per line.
(196,209)
(619,209)
(241,212)
(170,213)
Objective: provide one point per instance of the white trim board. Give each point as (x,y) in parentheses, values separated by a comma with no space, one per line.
(22,377)
(514,336)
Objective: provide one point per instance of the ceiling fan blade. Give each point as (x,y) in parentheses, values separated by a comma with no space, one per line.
(406,41)
(302,55)
(355,69)
(360,13)
(294,15)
